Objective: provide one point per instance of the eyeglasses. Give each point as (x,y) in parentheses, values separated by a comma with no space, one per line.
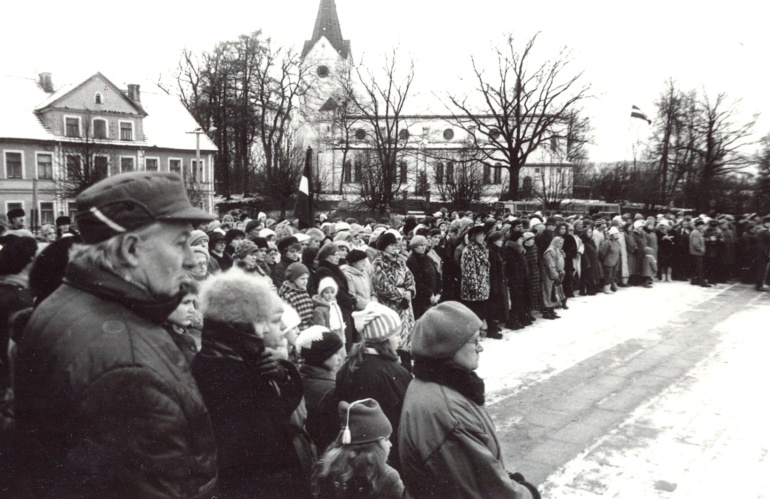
(476,343)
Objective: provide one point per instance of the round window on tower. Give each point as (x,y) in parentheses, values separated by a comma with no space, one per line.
(322,71)
(449,134)
(360,134)
(403,134)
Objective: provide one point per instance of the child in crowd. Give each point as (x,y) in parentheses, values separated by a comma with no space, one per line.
(294,291)
(290,322)
(355,464)
(322,353)
(185,322)
(326,311)
(649,267)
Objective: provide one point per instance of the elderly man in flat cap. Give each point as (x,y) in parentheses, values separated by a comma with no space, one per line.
(106,405)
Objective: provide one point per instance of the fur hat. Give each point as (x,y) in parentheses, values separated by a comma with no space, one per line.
(385,240)
(638,224)
(237,297)
(534,222)
(16,213)
(244,249)
(342,244)
(266,233)
(341,226)
(63,220)
(362,422)
(355,256)
(614,230)
(251,225)
(316,344)
(376,322)
(418,241)
(475,230)
(443,330)
(294,271)
(327,282)
(344,236)
(326,251)
(494,236)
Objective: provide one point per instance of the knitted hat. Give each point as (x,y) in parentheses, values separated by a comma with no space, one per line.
(418,241)
(266,233)
(316,344)
(385,240)
(326,251)
(197,236)
(251,225)
(362,422)
(443,330)
(356,256)
(290,318)
(201,250)
(343,236)
(327,282)
(261,242)
(284,243)
(376,322)
(237,297)
(342,244)
(294,271)
(244,249)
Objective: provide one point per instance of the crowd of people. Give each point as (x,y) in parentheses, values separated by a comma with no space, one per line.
(157,350)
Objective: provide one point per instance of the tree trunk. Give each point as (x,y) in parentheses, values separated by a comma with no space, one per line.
(513,183)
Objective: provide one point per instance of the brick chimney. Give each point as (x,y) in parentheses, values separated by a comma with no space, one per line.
(45,82)
(133,93)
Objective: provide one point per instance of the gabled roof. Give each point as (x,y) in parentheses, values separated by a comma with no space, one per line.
(329,105)
(165,120)
(327,24)
(65,90)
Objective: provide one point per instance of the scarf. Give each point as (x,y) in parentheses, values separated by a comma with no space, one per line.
(446,373)
(234,341)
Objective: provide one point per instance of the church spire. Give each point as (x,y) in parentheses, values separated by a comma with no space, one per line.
(327,24)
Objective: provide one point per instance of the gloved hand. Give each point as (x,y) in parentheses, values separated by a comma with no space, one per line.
(270,367)
(404,304)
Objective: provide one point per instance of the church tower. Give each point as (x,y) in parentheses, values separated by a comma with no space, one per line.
(325,55)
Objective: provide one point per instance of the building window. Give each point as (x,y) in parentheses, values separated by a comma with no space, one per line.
(347,173)
(13,165)
(72,127)
(439,173)
(527,187)
(45,166)
(449,134)
(73,166)
(494,134)
(196,170)
(126,164)
(151,164)
(100,129)
(360,134)
(402,172)
(498,174)
(359,168)
(322,71)
(403,134)
(537,170)
(46,213)
(487,176)
(101,167)
(450,173)
(175,165)
(126,130)
(98,98)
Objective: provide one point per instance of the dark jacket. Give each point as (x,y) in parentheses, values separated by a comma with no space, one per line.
(279,271)
(516,270)
(14,296)
(498,285)
(106,404)
(251,415)
(427,280)
(318,385)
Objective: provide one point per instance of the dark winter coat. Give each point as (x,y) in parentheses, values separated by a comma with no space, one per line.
(225,261)
(516,269)
(667,245)
(382,379)
(300,300)
(651,240)
(474,268)
(631,253)
(106,405)
(589,273)
(641,243)
(318,385)
(448,446)
(251,415)
(427,281)
(535,274)
(499,300)
(14,296)
(279,271)
(543,240)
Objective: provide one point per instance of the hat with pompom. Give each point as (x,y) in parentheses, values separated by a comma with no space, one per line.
(376,322)
(316,344)
(362,422)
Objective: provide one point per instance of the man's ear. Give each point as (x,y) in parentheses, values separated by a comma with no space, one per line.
(129,249)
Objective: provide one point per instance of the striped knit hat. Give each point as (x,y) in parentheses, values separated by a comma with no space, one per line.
(377,323)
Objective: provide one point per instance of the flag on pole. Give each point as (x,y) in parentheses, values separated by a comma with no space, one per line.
(637,113)
(303,208)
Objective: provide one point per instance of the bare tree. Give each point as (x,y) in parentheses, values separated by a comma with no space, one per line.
(522,105)
(762,186)
(458,176)
(379,105)
(554,185)
(278,185)
(84,160)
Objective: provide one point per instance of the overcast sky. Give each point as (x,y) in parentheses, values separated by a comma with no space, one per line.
(627,52)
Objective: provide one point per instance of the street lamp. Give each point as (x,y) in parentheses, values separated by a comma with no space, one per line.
(198,131)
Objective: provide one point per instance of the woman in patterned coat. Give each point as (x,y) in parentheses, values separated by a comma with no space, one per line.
(394,285)
(474,273)
(535,275)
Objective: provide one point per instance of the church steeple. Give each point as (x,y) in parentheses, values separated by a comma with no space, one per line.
(327,24)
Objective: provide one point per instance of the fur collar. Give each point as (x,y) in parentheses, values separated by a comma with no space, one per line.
(445,372)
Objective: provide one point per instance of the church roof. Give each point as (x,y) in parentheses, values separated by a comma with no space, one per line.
(327,24)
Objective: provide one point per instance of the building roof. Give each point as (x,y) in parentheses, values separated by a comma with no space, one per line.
(165,125)
(327,24)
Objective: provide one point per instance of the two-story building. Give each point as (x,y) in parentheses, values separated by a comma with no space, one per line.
(434,146)
(55,142)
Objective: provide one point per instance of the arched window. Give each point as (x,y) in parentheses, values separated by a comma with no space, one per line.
(526,186)
(498,174)
(450,173)
(98,98)
(487,176)
(347,172)
(402,172)
(439,173)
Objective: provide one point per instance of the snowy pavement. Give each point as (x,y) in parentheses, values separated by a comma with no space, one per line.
(656,393)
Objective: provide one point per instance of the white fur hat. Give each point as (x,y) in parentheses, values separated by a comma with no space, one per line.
(237,297)
(327,282)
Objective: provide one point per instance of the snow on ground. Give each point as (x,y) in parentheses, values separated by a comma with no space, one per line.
(591,325)
(706,436)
